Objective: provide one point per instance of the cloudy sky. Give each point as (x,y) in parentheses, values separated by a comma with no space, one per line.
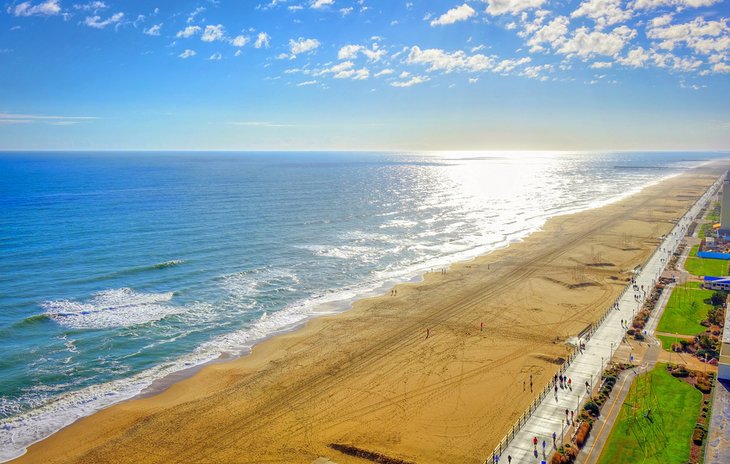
(365,74)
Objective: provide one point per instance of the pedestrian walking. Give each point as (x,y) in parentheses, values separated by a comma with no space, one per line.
(570,383)
(534,442)
(554,437)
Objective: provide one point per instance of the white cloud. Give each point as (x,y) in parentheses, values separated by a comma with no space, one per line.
(302,84)
(439,60)
(721,68)
(652,4)
(189,31)
(384,72)
(295,7)
(153,30)
(415,80)
(195,13)
(552,33)
(508,65)
(187,53)
(213,33)
(603,12)
(702,36)
(601,64)
(215,57)
(97,23)
(262,40)
(320,3)
(346,11)
(460,13)
(662,20)
(535,72)
(346,70)
(473,80)
(46,8)
(240,41)
(635,58)
(499,7)
(349,52)
(585,43)
(91,6)
(302,45)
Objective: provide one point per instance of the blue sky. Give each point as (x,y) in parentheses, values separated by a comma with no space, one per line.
(365,74)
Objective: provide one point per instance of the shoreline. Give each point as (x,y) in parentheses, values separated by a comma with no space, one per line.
(328,308)
(304,326)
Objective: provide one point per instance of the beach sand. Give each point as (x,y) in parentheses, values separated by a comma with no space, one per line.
(369,377)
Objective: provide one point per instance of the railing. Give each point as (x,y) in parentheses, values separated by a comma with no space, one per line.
(517,426)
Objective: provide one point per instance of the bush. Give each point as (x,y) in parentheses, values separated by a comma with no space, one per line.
(592,408)
(718,298)
(698,436)
(582,434)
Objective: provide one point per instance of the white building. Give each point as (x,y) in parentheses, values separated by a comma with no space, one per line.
(723,367)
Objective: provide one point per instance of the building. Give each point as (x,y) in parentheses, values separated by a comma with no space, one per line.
(716,283)
(723,366)
(725,207)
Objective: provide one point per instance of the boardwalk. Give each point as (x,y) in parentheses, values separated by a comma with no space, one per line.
(549,417)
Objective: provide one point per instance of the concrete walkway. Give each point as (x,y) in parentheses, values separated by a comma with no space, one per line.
(549,417)
(611,410)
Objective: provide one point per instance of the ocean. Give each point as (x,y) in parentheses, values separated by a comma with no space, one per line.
(119,269)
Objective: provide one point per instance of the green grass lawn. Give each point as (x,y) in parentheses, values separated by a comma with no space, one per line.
(685,310)
(668,340)
(665,436)
(694,250)
(706,266)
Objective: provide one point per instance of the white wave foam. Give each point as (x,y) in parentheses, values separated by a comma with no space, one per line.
(120,307)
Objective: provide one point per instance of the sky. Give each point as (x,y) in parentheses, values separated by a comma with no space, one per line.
(365,75)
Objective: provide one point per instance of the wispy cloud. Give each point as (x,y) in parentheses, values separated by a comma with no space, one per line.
(19,118)
(259,124)
(46,8)
(97,23)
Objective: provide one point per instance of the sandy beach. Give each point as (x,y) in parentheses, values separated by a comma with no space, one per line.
(371,377)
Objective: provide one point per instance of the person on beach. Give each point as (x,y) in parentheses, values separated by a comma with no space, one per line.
(534,442)
(554,442)
(570,383)
(509,458)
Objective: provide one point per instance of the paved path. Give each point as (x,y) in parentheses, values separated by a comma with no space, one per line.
(549,416)
(611,410)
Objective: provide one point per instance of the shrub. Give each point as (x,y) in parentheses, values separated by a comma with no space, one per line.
(698,436)
(592,408)
(582,434)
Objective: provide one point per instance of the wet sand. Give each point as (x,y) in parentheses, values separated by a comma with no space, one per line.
(371,378)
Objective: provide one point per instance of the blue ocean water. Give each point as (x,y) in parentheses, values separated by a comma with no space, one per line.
(117,269)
